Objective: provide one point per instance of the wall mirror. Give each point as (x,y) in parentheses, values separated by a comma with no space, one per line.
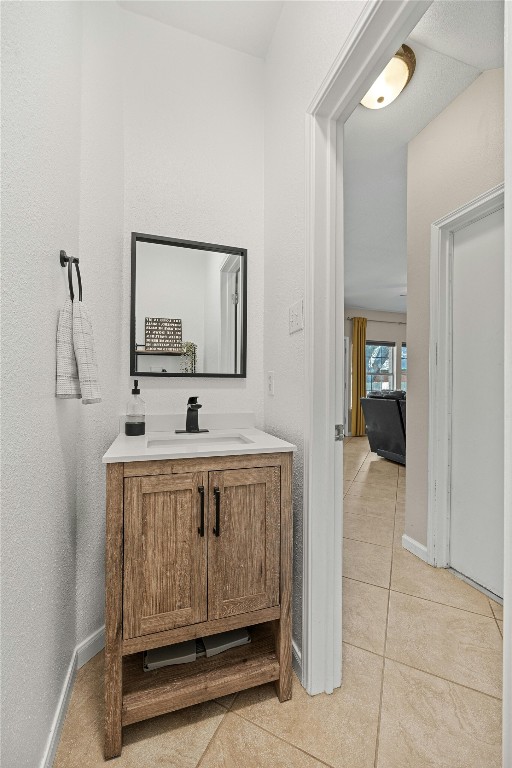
(188,308)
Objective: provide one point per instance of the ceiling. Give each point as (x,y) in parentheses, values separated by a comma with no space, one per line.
(246,25)
(454,42)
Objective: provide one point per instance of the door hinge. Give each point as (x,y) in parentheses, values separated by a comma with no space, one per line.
(339,431)
(234,298)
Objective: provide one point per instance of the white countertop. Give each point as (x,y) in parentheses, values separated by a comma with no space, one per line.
(216,442)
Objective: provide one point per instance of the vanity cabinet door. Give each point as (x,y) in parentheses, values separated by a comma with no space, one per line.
(164,553)
(244,541)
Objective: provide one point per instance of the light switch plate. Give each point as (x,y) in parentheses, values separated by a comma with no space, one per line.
(296,317)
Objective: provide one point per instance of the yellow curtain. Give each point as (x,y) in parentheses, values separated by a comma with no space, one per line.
(358,374)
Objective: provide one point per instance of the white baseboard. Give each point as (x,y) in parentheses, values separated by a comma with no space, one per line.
(413,546)
(60,714)
(297,660)
(90,647)
(83,652)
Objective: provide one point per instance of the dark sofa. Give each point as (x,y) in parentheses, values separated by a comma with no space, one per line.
(385,415)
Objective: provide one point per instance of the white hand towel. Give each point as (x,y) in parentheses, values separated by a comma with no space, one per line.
(83,343)
(68,385)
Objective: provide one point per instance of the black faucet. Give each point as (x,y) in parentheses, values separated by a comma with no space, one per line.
(192,417)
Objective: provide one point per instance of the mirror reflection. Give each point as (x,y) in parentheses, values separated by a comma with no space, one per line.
(188,308)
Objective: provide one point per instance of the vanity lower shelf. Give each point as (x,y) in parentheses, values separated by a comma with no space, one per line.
(147,694)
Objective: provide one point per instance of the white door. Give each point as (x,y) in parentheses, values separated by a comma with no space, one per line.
(476,520)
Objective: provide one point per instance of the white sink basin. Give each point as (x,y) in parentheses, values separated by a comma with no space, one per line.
(204,438)
(233,440)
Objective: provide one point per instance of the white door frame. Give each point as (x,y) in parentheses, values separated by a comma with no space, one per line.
(440,368)
(507,453)
(378,33)
(380,30)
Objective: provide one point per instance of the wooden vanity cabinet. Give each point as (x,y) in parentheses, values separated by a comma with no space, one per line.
(195,547)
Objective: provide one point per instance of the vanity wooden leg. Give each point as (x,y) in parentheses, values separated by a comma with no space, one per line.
(283,634)
(114,611)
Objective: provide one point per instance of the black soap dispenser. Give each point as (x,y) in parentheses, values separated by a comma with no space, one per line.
(135,423)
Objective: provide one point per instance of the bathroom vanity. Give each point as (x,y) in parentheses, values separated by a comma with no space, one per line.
(198,542)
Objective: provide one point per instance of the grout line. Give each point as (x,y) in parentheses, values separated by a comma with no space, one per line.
(368,583)
(214,734)
(225,706)
(446,679)
(371,543)
(358,581)
(495,617)
(423,671)
(377,742)
(360,648)
(492,609)
(445,605)
(280,738)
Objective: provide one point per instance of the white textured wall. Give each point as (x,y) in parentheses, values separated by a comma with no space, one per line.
(193,126)
(101,248)
(307,39)
(456,157)
(41,47)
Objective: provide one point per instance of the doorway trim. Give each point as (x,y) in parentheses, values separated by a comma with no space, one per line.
(378,33)
(440,368)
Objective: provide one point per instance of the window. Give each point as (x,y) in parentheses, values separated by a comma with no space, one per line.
(403,369)
(379,366)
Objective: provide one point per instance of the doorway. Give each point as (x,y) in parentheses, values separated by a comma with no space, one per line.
(379,32)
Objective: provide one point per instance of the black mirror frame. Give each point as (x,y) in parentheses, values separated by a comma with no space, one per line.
(242,252)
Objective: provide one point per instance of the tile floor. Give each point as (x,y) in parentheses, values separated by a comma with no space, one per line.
(421,670)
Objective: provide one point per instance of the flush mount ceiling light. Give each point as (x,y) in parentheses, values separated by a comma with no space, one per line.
(391,82)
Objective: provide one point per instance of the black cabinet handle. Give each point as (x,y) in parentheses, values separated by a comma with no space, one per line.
(216,493)
(200,530)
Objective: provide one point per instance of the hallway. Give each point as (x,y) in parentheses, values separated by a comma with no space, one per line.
(440,638)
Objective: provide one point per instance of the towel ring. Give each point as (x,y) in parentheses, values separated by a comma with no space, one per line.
(70,260)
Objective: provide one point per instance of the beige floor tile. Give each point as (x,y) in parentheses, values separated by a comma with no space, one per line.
(399,530)
(370,528)
(462,647)
(226,701)
(497,609)
(375,493)
(239,743)
(176,740)
(366,562)
(365,610)
(414,577)
(430,723)
(361,441)
(500,625)
(400,508)
(340,728)
(383,482)
(349,474)
(377,464)
(351,467)
(357,505)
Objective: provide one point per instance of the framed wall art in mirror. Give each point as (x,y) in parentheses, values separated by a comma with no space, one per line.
(188,308)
